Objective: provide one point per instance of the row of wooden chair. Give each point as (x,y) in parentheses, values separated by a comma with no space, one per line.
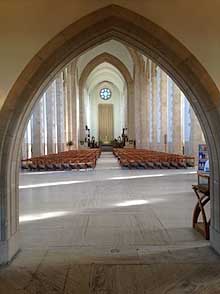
(67,160)
(149,159)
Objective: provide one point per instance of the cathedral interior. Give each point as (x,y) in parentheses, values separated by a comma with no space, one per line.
(106,132)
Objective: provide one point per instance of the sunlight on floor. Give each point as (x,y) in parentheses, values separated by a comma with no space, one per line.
(40,216)
(139,202)
(129,177)
(152,175)
(52,184)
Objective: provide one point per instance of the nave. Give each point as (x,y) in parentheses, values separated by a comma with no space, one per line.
(109,230)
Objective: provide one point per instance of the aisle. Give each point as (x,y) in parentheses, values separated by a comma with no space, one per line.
(107,161)
(111,227)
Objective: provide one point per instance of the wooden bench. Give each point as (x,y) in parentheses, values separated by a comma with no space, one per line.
(150,159)
(72,159)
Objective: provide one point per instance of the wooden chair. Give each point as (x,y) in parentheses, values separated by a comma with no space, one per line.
(202,192)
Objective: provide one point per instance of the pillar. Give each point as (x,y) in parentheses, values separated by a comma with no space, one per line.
(196,134)
(163,115)
(150,103)
(177,130)
(170,93)
(154,105)
(137,100)
(187,126)
(140,101)
(158,110)
(144,104)
(60,112)
(24,148)
(71,103)
(130,111)
(75,101)
(36,131)
(51,118)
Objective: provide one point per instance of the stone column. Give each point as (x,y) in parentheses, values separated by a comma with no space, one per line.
(137,100)
(71,97)
(196,134)
(177,130)
(43,113)
(187,126)
(163,116)
(140,101)
(83,97)
(150,103)
(36,131)
(68,93)
(60,112)
(154,105)
(50,118)
(125,107)
(24,148)
(170,93)
(74,98)
(66,112)
(144,104)
(158,109)
(130,111)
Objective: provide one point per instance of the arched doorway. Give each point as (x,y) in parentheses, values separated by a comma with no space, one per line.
(116,23)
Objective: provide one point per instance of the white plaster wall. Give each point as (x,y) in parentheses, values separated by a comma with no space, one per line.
(116,100)
(105,72)
(112,47)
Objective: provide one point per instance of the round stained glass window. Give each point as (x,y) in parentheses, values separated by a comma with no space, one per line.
(105,93)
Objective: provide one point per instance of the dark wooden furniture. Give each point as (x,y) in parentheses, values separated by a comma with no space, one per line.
(202,191)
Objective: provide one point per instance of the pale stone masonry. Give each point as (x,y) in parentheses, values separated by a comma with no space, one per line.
(154,111)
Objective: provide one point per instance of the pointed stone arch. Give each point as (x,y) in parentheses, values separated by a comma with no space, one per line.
(119,65)
(112,22)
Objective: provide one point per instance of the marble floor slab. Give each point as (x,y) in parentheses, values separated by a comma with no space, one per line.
(108,231)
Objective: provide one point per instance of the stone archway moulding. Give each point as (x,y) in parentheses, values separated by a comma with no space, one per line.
(112,22)
(111,59)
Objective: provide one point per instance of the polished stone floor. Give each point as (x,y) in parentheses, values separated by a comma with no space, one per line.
(108,231)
